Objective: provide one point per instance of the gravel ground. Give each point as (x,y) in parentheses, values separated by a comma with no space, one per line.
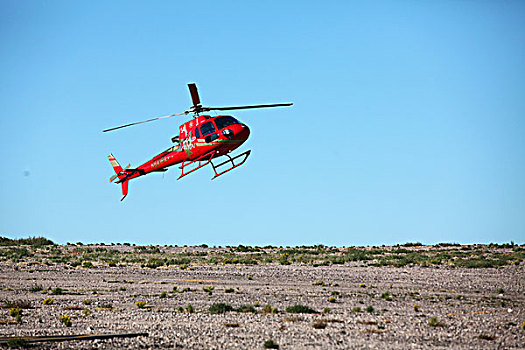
(473,308)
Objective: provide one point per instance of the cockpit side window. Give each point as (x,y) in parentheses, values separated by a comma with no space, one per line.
(197,133)
(207,128)
(225,121)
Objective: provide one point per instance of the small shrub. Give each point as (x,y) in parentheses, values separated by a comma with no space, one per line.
(267,309)
(319,283)
(284,261)
(74,263)
(36,288)
(319,324)
(154,263)
(331,300)
(270,344)
(36,242)
(22,304)
(370,309)
(87,264)
(232,324)
(433,322)
(250,277)
(386,296)
(356,309)
(500,291)
(229,290)
(106,306)
(163,295)
(208,290)
(486,337)
(141,304)
(326,310)
(86,302)
(368,322)
(48,301)
(246,309)
(112,263)
(190,309)
(15,312)
(362,285)
(412,244)
(220,308)
(300,309)
(57,291)
(66,320)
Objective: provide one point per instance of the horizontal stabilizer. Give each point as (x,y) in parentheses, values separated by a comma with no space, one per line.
(132,171)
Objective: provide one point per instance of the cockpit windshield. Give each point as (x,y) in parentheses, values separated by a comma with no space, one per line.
(225,121)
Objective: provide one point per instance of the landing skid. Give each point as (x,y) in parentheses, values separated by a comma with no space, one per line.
(207,158)
(230,160)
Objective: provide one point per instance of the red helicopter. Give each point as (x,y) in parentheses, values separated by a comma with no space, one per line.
(200,141)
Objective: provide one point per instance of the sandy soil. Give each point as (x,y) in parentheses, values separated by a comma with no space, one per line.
(473,308)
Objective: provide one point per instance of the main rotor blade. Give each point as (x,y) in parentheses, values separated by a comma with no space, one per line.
(144,121)
(194,94)
(246,107)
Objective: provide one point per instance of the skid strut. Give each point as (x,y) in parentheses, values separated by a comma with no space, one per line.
(230,160)
(203,160)
(207,159)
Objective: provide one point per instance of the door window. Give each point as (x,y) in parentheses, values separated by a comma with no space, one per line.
(207,128)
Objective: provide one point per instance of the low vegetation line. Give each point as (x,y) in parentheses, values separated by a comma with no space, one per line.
(41,252)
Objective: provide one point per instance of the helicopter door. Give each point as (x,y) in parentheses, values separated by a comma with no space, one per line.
(209,132)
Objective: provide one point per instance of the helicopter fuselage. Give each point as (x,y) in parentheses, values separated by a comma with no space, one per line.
(200,140)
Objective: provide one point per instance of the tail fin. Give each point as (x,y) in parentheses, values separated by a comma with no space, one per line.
(120,174)
(124,189)
(116,166)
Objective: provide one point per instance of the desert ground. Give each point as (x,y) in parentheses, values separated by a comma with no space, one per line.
(403,297)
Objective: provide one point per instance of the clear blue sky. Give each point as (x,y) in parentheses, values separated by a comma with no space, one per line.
(408,121)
